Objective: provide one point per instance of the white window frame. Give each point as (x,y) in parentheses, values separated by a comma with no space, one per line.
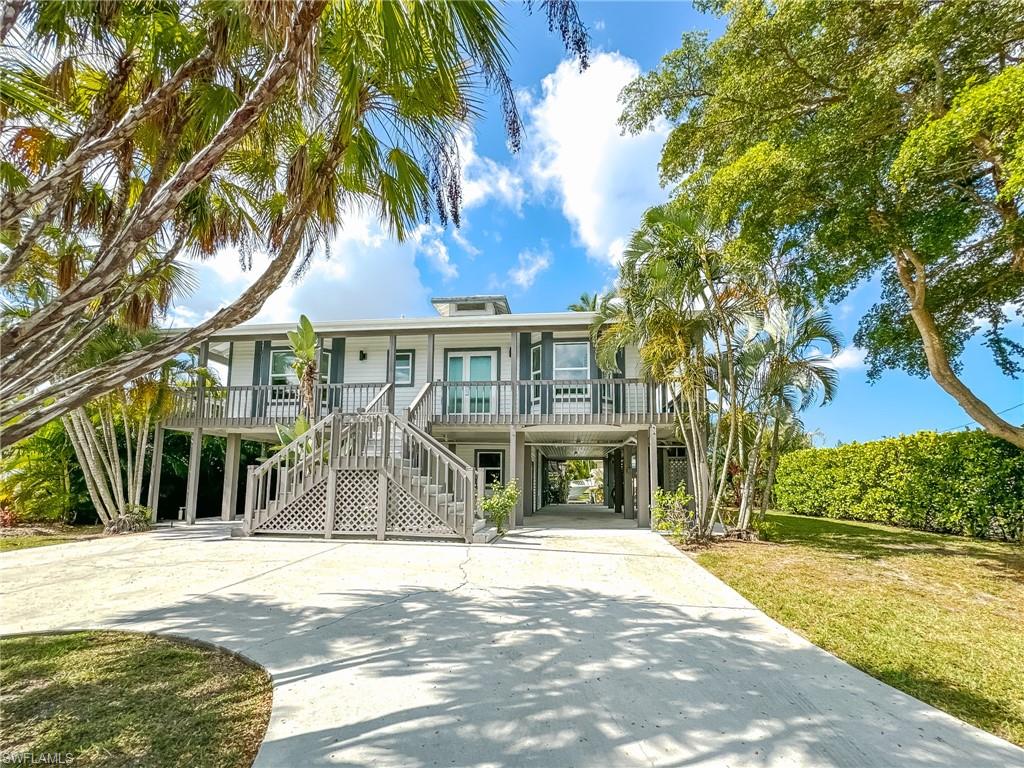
(411,355)
(501,463)
(564,391)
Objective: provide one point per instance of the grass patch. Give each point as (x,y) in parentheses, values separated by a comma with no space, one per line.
(939,617)
(41,536)
(119,699)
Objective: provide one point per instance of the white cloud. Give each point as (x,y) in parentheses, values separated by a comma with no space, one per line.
(464,243)
(363,274)
(531,264)
(435,251)
(483,179)
(603,179)
(849,358)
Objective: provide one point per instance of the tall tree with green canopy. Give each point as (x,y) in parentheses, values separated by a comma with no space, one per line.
(879,140)
(152,131)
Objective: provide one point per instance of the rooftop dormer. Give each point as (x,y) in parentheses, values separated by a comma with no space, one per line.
(459,306)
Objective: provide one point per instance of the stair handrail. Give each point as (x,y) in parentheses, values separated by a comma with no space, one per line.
(415,413)
(442,448)
(464,489)
(380,401)
(307,453)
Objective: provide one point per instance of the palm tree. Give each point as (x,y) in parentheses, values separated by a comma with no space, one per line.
(117,425)
(246,125)
(680,305)
(587,302)
(790,373)
(306,364)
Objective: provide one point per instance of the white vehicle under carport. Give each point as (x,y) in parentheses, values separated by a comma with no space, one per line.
(581,492)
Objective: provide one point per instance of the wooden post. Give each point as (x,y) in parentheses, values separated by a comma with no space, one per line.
(195,456)
(515,382)
(392,348)
(155,468)
(382,473)
(382,503)
(204,358)
(528,483)
(619,488)
(652,464)
(331,501)
(628,508)
(229,496)
(250,497)
(517,472)
(643,478)
(430,357)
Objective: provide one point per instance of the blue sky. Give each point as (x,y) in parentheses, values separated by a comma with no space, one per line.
(546,224)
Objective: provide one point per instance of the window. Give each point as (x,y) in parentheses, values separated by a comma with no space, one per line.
(572,361)
(535,370)
(491,463)
(283,379)
(405,364)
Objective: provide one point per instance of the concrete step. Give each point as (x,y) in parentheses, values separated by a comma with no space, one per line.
(485,535)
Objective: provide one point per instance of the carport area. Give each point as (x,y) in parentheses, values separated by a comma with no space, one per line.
(578,516)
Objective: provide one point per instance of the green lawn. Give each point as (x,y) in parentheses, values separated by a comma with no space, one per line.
(14,538)
(117,699)
(939,617)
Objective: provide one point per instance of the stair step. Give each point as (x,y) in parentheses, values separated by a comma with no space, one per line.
(485,535)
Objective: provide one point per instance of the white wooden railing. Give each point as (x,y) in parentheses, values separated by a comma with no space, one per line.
(267,403)
(290,472)
(538,401)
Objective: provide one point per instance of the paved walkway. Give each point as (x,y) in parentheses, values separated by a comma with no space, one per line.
(555,648)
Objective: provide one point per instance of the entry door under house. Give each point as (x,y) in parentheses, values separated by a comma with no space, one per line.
(471,367)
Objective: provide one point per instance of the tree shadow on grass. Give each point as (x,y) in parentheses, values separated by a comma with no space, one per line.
(551,676)
(110,699)
(863,541)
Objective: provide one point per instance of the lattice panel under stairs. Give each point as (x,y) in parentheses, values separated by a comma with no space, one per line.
(302,515)
(355,504)
(409,516)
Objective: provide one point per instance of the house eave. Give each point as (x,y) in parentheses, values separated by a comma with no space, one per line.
(413,326)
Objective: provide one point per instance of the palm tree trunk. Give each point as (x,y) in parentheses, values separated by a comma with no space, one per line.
(749,478)
(773,462)
(85,450)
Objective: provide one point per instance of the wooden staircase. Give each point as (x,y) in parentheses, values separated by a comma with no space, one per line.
(366,473)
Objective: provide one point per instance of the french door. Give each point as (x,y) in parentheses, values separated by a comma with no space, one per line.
(467,397)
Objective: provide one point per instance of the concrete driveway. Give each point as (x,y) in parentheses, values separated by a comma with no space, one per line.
(554,648)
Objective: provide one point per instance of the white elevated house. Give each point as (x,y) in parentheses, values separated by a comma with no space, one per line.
(416,417)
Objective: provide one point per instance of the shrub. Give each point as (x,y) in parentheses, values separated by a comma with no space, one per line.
(966,483)
(766,530)
(131,520)
(671,512)
(499,505)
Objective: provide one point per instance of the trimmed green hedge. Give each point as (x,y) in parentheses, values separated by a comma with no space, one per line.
(967,483)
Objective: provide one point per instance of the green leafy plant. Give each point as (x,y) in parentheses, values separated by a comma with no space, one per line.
(497,508)
(966,483)
(672,513)
(766,530)
(305,362)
